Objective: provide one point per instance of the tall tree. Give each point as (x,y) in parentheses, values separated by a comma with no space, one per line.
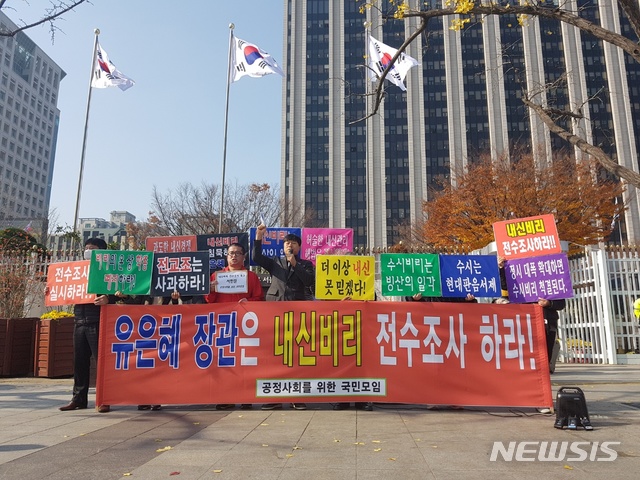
(21,272)
(16,240)
(466,11)
(491,191)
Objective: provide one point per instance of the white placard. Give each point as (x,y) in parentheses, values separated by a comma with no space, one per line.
(232,282)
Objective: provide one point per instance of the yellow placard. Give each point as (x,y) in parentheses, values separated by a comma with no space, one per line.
(340,277)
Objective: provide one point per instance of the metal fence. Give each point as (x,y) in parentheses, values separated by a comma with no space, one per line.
(598,325)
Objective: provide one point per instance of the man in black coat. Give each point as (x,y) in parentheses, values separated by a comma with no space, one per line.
(291,279)
(85,339)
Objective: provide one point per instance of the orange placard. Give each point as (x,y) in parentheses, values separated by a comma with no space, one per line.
(67,284)
(324,351)
(527,237)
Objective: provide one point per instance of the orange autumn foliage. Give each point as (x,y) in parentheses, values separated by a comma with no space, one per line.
(581,201)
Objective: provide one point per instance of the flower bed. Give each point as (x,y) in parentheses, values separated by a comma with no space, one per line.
(54,345)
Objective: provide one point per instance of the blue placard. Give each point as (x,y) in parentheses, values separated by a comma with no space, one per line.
(474,274)
(273,240)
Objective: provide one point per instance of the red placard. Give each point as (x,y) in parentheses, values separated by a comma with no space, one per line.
(527,237)
(324,351)
(67,284)
(185,243)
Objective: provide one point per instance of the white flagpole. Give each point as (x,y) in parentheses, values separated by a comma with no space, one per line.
(84,137)
(226,122)
(368,170)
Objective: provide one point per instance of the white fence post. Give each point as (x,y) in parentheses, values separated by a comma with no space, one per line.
(603,291)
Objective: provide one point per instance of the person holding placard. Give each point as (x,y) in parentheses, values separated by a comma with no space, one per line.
(550,309)
(235,283)
(85,339)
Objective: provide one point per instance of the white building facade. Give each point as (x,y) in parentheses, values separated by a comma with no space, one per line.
(29,119)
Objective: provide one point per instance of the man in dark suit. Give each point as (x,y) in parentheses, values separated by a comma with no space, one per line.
(290,276)
(291,279)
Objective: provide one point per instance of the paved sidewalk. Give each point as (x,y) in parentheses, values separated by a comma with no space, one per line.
(393,442)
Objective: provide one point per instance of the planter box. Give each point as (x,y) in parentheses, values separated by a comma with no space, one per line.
(54,348)
(17,346)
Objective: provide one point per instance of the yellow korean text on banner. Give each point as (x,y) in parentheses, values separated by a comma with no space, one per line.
(340,277)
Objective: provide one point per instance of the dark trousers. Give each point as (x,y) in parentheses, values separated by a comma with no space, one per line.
(551,339)
(85,345)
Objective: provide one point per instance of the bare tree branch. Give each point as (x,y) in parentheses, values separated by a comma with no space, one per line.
(54,12)
(632,11)
(596,152)
(537,9)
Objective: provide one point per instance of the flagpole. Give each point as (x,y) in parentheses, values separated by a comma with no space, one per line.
(367,153)
(226,123)
(84,137)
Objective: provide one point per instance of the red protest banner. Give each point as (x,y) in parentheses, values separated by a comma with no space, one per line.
(324,351)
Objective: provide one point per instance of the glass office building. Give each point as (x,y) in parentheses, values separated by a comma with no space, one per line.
(29,119)
(462,101)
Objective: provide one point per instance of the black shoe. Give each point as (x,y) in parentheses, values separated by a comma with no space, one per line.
(144,407)
(367,406)
(246,406)
(72,406)
(573,423)
(272,406)
(340,406)
(155,408)
(586,423)
(299,406)
(225,406)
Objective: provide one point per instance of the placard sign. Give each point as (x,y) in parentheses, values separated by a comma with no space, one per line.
(326,241)
(217,245)
(232,282)
(345,276)
(185,243)
(405,274)
(529,279)
(67,284)
(186,273)
(477,275)
(527,237)
(273,240)
(120,270)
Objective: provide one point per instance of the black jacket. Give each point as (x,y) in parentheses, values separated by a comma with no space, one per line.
(286,283)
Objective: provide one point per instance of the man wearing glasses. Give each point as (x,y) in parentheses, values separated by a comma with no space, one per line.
(254,292)
(235,263)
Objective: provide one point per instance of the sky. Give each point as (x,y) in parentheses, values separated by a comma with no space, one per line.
(168,129)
